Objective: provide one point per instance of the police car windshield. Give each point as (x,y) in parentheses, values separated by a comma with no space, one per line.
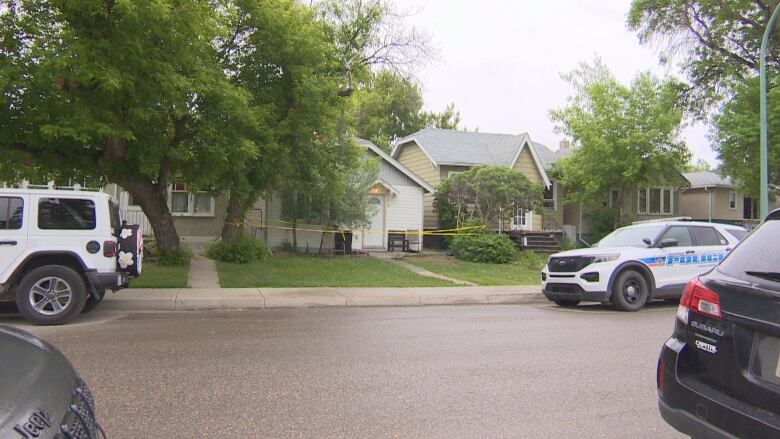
(630,236)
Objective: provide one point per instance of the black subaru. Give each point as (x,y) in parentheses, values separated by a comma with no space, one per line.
(719,373)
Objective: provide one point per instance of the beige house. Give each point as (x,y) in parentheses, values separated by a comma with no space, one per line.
(435,154)
(713,198)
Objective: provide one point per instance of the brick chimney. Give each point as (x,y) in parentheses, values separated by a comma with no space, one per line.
(564,144)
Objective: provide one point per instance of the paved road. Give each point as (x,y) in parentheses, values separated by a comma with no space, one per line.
(467,371)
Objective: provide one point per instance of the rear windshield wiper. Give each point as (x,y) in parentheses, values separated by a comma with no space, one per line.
(768,275)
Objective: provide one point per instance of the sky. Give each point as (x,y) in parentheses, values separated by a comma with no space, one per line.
(500,61)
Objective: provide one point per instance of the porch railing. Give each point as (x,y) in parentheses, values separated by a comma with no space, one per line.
(550,224)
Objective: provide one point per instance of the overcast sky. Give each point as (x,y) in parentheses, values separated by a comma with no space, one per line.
(501,60)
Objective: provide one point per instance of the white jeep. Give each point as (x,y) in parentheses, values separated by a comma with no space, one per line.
(634,264)
(61,250)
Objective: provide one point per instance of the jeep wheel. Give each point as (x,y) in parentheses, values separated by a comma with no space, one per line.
(93,301)
(630,291)
(567,303)
(51,295)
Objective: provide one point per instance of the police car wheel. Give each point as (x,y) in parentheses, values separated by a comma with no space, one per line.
(567,303)
(630,291)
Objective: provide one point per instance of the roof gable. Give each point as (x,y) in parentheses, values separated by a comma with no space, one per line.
(394,163)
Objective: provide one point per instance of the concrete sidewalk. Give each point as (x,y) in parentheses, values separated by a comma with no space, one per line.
(187,299)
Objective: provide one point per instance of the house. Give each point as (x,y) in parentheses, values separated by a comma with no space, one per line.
(434,154)
(711,197)
(397,199)
(659,201)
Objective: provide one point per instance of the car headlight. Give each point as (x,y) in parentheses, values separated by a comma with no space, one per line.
(606,258)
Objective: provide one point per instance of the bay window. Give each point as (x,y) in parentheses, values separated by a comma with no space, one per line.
(655,201)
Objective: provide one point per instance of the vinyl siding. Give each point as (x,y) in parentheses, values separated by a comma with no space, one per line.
(695,203)
(415,159)
(525,163)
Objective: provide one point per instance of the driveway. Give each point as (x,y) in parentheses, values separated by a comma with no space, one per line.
(462,371)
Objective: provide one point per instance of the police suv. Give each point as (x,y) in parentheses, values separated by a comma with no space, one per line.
(634,264)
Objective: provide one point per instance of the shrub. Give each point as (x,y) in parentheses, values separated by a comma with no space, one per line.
(241,250)
(484,247)
(169,258)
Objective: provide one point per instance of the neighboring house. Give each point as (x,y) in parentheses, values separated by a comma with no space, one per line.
(713,198)
(396,199)
(649,203)
(434,154)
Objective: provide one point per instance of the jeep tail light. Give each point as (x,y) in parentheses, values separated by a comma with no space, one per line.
(109,249)
(661,384)
(699,299)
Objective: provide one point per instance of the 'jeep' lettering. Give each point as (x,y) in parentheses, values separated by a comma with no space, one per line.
(36,423)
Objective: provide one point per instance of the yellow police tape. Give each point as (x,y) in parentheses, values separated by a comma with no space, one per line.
(439,232)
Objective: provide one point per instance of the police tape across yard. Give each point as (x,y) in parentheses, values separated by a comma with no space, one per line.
(438,232)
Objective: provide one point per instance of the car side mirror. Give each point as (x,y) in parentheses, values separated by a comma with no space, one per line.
(668,242)
(648,241)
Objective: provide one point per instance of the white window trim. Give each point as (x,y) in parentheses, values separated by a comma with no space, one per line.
(191,204)
(733,199)
(554,199)
(661,206)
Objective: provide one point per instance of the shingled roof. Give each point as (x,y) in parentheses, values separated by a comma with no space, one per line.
(707,179)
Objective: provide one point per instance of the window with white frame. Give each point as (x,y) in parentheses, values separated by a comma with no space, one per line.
(655,201)
(549,199)
(185,203)
(733,200)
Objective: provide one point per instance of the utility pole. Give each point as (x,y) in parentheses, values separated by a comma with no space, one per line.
(764,202)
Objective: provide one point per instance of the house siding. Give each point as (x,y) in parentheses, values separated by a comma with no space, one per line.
(413,157)
(695,203)
(525,163)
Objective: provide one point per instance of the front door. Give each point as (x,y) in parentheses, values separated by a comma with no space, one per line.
(13,232)
(523,220)
(376,236)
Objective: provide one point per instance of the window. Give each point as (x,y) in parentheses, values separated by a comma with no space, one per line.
(11,209)
(756,254)
(707,236)
(183,202)
(732,200)
(548,200)
(614,198)
(655,201)
(679,233)
(66,214)
(738,233)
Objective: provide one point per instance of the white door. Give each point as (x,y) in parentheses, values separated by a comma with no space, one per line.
(678,268)
(13,232)
(376,236)
(523,220)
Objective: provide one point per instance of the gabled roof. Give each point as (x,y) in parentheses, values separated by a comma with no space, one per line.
(706,179)
(395,163)
(549,157)
(465,148)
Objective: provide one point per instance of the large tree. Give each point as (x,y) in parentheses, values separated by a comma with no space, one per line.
(627,136)
(128,90)
(716,42)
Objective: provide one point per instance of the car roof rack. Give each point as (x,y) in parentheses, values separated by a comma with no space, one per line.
(664,220)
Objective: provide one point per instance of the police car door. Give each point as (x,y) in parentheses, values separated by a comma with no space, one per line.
(711,248)
(676,270)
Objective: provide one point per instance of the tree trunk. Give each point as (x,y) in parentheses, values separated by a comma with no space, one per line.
(236,216)
(152,200)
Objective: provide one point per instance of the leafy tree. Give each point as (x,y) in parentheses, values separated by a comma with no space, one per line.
(628,136)
(448,119)
(132,91)
(716,41)
(485,194)
(736,136)
(700,166)
(387,108)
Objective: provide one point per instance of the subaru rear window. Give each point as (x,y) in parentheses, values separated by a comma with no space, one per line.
(11,209)
(756,254)
(66,214)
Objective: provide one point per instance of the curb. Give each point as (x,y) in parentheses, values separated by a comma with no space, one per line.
(190,299)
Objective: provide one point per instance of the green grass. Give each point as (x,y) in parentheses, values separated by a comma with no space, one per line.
(524,271)
(300,271)
(158,276)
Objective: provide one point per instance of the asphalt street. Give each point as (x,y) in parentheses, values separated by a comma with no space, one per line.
(457,371)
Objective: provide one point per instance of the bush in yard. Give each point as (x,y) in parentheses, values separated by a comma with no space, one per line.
(169,258)
(484,247)
(241,250)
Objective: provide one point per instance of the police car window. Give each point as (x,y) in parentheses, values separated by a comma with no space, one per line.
(66,214)
(707,236)
(630,236)
(679,233)
(738,233)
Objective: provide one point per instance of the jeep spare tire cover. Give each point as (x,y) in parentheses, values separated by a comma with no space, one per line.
(131,249)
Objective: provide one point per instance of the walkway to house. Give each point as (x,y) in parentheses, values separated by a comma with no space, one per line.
(397,259)
(203,272)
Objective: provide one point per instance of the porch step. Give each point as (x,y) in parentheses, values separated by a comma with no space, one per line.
(546,242)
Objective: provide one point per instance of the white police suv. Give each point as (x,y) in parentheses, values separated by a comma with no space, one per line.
(634,264)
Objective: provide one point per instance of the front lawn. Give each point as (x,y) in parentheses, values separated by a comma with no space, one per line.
(307,271)
(524,271)
(158,276)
